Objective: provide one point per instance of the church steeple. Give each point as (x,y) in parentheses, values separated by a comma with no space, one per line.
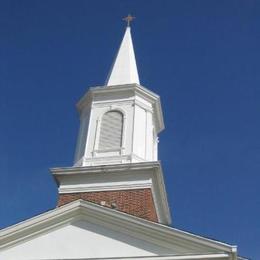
(120,122)
(124,69)
(116,160)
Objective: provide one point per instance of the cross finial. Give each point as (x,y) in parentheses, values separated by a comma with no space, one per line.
(129,19)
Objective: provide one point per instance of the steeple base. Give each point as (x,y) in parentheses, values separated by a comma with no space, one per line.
(134,188)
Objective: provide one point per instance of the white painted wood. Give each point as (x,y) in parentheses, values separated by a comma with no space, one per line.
(142,121)
(83,133)
(150,138)
(80,240)
(140,126)
(124,69)
(80,230)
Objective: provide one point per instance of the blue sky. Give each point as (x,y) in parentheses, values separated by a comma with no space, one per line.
(201,57)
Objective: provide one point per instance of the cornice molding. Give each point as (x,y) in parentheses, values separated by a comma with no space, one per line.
(108,187)
(168,257)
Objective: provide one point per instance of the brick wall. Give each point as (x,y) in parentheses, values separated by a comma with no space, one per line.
(137,202)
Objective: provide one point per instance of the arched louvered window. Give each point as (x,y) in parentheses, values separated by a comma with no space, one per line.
(111,131)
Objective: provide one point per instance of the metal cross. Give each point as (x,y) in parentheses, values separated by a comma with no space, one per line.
(129,19)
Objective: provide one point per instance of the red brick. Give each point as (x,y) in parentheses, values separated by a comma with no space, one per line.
(137,202)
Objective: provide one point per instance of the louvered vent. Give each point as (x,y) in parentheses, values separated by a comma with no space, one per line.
(111,131)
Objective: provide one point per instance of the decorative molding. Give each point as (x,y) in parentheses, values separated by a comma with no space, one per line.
(118,103)
(105,187)
(102,157)
(168,257)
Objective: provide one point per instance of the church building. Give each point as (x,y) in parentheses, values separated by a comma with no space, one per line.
(112,202)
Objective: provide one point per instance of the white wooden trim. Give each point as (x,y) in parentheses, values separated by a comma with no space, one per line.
(151,232)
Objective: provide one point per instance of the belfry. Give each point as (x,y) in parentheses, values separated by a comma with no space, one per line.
(112,202)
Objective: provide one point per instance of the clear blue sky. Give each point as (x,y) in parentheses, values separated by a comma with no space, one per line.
(201,57)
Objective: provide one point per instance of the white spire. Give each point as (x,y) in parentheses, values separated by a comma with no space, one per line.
(124,69)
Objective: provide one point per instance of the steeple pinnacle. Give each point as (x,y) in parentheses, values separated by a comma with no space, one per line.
(129,19)
(124,69)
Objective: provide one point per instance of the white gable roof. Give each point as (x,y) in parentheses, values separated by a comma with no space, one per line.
(82,230)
